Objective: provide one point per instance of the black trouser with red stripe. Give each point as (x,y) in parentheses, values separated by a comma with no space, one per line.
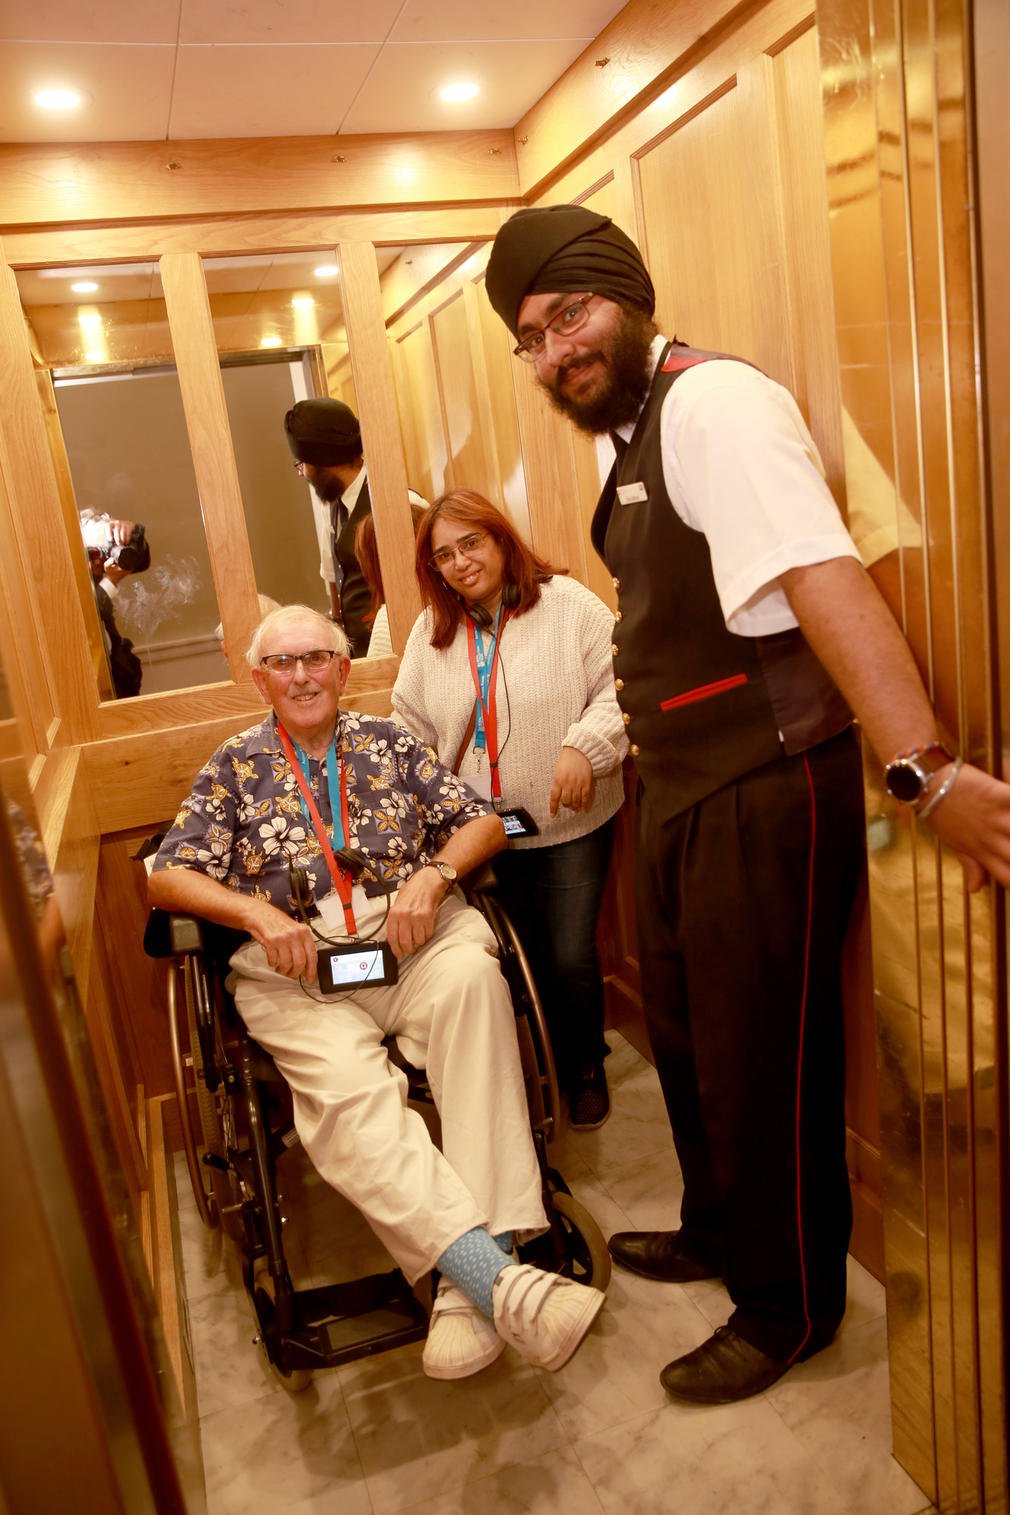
(743,902)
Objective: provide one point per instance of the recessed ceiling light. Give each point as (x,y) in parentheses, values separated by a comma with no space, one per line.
(326,271)
(454,94)
(270,342)
(84,287)
(58,99)
(302,302)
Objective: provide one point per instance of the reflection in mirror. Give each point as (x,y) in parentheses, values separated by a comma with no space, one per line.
(102,347)
(280,331)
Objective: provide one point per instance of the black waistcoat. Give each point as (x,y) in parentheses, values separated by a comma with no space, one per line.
(706,706)
(353,592)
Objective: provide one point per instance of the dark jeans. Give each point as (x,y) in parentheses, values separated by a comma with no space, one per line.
(553,895)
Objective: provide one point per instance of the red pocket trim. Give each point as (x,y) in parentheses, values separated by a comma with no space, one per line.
(703,692)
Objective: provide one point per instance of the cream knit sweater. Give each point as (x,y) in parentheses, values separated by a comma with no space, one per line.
(555,688)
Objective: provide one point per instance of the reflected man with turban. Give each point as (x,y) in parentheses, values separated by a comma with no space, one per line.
(325,441)
(748,632)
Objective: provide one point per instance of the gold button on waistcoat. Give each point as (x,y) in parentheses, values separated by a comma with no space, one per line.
(614,649)
(618,685)
(618,615)
(634,749)
(626,718)
(616,583)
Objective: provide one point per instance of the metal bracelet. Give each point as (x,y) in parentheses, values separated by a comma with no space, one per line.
(943,791)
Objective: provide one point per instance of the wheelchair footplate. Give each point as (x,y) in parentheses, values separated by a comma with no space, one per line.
(337,1323)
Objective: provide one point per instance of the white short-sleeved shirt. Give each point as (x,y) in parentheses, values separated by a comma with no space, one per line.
(740,466)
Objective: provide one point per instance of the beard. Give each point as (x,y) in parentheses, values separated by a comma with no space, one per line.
(326,486)
(626,373)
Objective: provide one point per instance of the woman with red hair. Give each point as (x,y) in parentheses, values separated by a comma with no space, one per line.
(508,675)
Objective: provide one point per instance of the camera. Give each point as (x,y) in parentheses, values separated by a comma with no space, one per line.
(132,556)
(351,965)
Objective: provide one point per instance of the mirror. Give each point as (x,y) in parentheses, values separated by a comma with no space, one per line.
(279,327)
(103,352)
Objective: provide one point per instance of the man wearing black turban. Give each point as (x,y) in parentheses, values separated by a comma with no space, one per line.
(325,441)
(744,617)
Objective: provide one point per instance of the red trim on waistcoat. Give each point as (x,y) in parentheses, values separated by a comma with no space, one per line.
(799,1057)
(703,691)
(676,362)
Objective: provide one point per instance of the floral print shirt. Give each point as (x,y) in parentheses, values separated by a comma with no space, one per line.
(244,826)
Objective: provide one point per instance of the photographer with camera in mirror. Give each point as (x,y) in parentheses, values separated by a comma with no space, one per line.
(116,548)
(290,796)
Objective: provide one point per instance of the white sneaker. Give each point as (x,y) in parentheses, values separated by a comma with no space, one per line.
(461,1340)
(542,1314)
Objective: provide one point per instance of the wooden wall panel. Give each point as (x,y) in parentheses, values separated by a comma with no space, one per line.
(42,184)
(452,339)
(420,408)
(213,455)
(376,407)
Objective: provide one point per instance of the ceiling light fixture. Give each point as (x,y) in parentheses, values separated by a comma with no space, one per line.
(326,271)
(84,287)
(455,94)
(58,99)
(302,302)
(270,342)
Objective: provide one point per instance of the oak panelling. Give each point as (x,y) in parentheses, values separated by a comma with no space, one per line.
(213,455)
(452,340)
(70,832)
(115,1059)
(421,412)
(42,184)
(372,369)
(44,603)
(133,981)
(638,55)
(230,234)
(72,525)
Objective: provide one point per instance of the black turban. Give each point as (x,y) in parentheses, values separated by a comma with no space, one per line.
(564,249)
(323,432)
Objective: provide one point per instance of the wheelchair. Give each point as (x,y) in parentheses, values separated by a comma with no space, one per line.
(236,1121)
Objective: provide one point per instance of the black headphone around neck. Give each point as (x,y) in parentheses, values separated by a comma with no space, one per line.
(482,617)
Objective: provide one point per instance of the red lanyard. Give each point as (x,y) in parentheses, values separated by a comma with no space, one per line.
(341,880)
(489,711)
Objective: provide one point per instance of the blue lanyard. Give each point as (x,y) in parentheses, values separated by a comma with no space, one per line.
(485,662)
(332,786)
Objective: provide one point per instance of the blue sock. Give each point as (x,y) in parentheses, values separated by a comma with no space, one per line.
(472,1263)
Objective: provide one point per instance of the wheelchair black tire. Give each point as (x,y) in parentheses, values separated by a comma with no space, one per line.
(298,1380)
(226,1197)
(589,1259)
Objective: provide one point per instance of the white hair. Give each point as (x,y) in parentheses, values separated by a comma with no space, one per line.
(330,634)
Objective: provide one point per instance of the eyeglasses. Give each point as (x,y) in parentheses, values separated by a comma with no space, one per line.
(563,324)
(466,545)
(286,662)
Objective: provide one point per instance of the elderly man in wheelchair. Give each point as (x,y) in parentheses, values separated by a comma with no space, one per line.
(319,831)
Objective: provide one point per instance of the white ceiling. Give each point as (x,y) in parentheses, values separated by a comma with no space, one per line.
(181,69)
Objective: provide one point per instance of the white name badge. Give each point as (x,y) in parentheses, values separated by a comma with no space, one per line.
(331,911)
(478,783)
(632,494)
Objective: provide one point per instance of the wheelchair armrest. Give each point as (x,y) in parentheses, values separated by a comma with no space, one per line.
(172,934)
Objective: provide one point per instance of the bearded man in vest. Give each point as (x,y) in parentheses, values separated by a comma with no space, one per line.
(747,635)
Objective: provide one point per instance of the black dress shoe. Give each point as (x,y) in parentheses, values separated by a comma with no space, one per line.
(721,1370)
(661,1255)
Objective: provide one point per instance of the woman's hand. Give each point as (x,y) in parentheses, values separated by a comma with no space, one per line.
(573,783)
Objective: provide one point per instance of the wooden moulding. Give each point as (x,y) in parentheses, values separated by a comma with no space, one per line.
(70,184)
(636,56)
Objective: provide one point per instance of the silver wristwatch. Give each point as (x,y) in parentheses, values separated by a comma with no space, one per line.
(447,871)
(907,775)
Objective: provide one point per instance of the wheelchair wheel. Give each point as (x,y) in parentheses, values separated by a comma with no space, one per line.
(215,1188)
(589,1260)
(298,1379)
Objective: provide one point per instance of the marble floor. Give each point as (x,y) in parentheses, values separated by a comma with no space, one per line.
(376,1436)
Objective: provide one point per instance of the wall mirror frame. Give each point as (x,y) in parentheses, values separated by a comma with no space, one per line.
(27,450)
